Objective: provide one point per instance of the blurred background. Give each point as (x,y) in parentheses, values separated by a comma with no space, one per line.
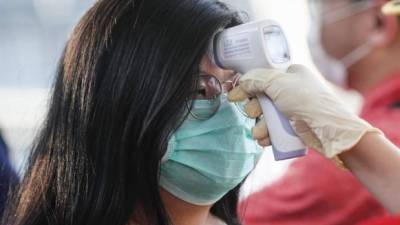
(32,36)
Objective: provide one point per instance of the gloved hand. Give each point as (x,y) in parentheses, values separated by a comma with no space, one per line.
(317,115)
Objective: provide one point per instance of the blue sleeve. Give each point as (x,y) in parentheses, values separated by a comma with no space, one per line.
(8,177)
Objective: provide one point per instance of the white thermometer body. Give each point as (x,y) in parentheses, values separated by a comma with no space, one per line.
(260,44)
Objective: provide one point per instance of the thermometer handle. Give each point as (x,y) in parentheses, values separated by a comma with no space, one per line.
(285,143)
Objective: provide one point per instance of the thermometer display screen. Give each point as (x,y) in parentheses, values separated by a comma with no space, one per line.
(276,44)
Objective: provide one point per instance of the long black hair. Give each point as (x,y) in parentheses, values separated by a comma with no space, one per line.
(120,92)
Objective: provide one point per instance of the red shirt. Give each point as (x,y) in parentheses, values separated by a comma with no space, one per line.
(382,108)
(383,221)
(315,191)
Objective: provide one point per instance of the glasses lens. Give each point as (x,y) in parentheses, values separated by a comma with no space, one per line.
(207,98)
(209,87)
(203,109)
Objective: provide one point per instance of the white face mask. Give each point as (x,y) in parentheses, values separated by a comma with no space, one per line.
(335,70)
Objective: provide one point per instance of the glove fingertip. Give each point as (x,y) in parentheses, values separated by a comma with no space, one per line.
(260,131)
(264,142)
(253,109)
(237,95)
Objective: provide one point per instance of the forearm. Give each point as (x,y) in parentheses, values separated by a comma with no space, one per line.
(375,161)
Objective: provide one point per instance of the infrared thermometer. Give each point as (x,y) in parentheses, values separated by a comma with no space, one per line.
(260,44)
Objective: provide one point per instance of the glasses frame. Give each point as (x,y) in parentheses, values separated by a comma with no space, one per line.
(232,84)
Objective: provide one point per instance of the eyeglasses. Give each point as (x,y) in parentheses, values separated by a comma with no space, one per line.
(209,90)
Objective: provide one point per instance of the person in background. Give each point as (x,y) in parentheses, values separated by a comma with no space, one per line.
(391,8)
(355,46)
(8,177)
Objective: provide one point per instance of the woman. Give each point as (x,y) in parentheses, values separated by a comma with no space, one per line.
(139,130)
(123,86)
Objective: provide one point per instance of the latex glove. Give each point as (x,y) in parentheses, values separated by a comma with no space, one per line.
(317,115)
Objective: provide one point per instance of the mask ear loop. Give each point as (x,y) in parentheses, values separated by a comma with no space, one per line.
(170,147)
(357,54)
(235,82)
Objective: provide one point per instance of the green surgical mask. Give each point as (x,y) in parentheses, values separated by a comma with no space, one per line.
(207,158)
